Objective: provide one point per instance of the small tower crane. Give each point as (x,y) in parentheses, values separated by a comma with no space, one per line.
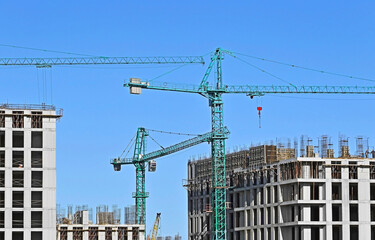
(141,158)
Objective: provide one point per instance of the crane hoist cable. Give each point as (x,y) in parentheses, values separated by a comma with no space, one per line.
(306,68)
(131,141)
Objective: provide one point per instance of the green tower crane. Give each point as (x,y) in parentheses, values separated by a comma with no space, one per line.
(213,92)
(141,158)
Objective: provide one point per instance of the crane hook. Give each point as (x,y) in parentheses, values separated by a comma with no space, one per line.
(259,110)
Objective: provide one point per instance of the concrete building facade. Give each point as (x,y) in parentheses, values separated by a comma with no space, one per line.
(28,172)
(300,198)
(83,229)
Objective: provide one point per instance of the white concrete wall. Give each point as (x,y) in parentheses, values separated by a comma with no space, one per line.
(49,176)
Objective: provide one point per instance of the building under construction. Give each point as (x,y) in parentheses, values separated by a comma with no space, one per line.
(79,225)
(276,193)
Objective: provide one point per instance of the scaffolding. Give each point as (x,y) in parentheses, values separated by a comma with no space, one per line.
(359,144)
(343,147)
(129,216)
(104,216)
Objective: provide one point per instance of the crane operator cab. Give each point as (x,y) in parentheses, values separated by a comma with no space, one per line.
(116,164)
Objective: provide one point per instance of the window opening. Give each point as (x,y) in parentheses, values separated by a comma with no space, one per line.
(36,199)
(17,179)
(36,219)
(17,219)
(93,233)
(2,158)
(36,159)
(336,191)
(336,212)
(36,235)
(2,119)
(353,191)
(353,212)
(122,233)
(353,170)
(36,120)
(36,179)
(77,233)
(18,159)
(17,199)
(2,138)
(18,139)
(17,119)
(36,139)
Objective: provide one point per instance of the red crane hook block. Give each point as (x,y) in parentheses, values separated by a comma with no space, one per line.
(259,109)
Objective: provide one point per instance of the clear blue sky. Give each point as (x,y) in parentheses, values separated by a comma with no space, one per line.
(100,116)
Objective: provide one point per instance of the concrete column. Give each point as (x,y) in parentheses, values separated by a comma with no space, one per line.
(306,234)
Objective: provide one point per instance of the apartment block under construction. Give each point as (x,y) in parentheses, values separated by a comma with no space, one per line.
(280,193)
(80,225)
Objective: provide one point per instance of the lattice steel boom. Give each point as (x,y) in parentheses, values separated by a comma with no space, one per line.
(48,62)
